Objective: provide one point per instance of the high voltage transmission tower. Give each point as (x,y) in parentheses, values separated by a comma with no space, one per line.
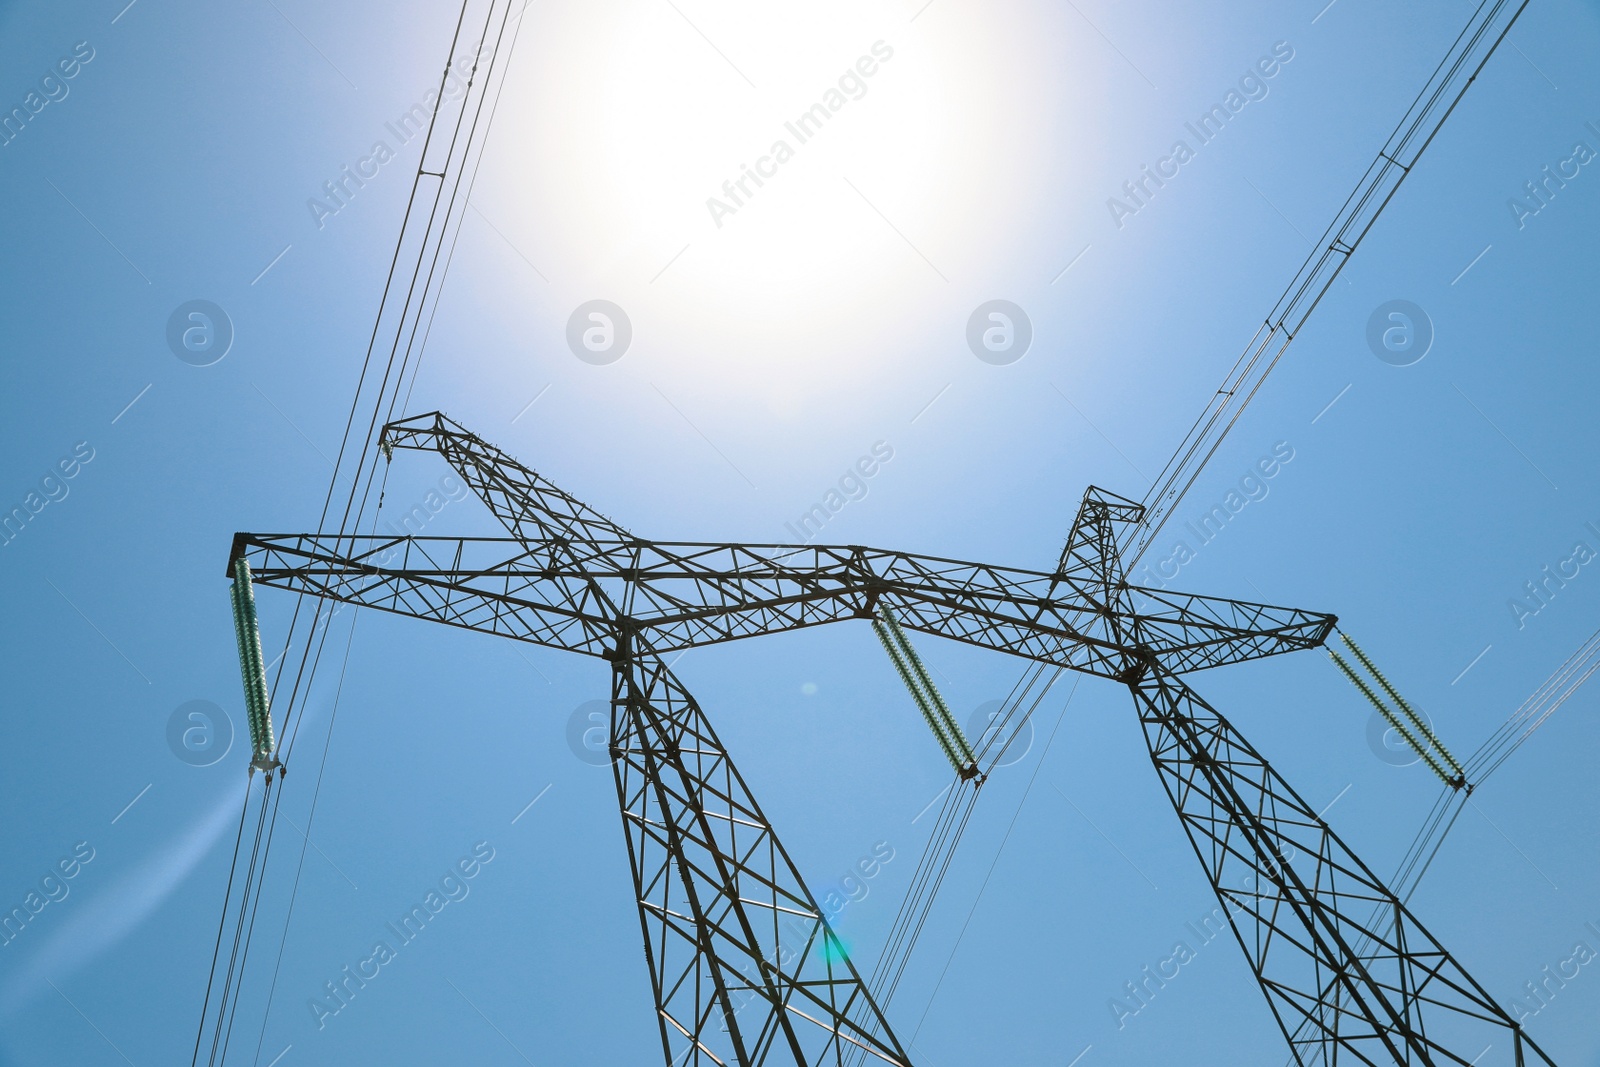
(744,966)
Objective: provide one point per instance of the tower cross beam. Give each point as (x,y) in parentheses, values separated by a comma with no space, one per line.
(682,595)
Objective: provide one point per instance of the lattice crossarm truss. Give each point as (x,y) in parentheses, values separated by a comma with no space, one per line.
(690,594)
(568,594)
(1348,971)
(491,585)
(1190,631)
(745,966)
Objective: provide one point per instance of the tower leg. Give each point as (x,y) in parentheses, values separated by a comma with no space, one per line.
(1349,973)
(744,966)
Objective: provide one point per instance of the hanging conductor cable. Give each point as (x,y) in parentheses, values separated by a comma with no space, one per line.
(1533,713)
(450,153)
(1416,130)
(1441,818)
(958,800)
(258,715)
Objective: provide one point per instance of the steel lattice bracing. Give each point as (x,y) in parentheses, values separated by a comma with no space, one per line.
(567,595)
(1349,972)
(745,969)
(744,965)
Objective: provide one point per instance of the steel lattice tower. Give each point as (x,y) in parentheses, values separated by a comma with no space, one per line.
(744,966)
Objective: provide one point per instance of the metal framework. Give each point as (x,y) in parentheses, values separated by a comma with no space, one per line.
(744,965)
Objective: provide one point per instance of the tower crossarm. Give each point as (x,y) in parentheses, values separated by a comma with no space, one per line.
(693,594)
(1195,631)
(577,595)
(491,585)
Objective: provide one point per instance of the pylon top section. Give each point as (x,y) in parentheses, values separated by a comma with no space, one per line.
(569,577)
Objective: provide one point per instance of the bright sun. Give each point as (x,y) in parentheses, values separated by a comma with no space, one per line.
(762,182)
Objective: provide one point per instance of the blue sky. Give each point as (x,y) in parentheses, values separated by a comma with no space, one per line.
(179,162)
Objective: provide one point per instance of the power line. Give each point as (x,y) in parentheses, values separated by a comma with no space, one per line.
(1490,23)
(461,157)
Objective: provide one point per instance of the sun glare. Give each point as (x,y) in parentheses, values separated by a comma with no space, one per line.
(762,183)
